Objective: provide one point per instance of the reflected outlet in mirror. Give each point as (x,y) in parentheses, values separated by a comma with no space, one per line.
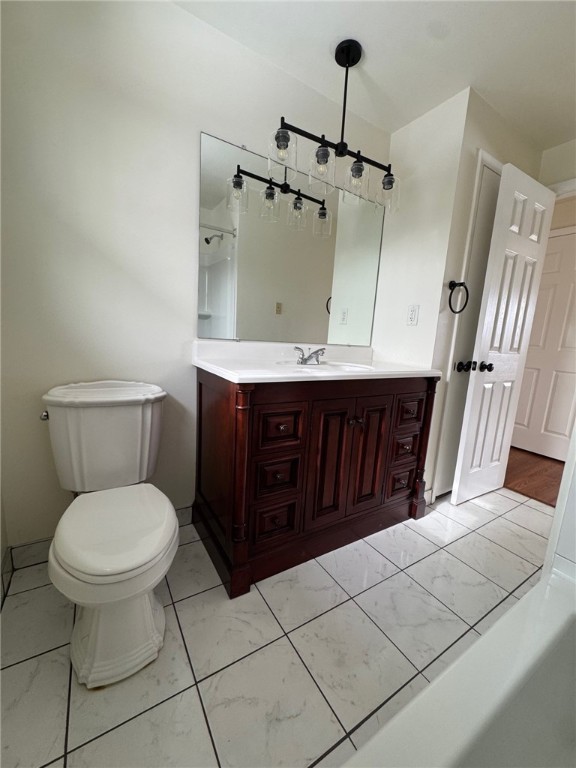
(262,281)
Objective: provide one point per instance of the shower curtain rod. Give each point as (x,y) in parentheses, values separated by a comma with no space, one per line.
(219,229)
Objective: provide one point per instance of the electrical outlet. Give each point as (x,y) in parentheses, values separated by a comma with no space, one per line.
(278,307)
(413,311)
(343,316)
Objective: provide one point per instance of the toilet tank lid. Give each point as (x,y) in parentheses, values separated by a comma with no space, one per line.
(94,393)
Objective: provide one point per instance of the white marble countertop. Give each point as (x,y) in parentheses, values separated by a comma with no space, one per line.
(257,371)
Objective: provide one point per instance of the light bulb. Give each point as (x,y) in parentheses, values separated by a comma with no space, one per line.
(356,182)
(321,170)
(282,155)
(237,194)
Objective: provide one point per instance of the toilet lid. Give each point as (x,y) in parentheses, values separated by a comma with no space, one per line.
(115,531)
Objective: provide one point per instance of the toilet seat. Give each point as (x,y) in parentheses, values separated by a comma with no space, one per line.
(114,535)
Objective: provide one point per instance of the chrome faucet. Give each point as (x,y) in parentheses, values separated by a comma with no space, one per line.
(312,357)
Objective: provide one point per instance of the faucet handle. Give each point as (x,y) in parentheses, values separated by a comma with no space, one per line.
(301,354)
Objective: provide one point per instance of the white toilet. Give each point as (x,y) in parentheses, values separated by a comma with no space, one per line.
(114,544)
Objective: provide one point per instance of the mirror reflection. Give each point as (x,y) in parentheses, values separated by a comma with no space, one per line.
(262,280)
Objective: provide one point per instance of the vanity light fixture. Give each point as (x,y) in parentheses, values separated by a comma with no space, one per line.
(269,207)
(282,158)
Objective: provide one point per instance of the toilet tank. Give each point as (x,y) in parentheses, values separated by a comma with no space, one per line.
(104,434)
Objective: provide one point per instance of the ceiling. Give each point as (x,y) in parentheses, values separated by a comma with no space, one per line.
(518,56)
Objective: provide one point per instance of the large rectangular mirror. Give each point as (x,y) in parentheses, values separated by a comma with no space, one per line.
(262,281)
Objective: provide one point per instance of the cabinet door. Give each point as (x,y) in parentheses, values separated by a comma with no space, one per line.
(329,461)
(369,452)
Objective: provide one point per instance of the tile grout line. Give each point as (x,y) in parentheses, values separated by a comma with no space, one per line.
(201,700)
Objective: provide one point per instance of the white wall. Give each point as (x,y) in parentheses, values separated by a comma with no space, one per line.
(103,105)
(558,163)
(425,156)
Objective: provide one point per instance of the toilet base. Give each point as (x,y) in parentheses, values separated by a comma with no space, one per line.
(115,640)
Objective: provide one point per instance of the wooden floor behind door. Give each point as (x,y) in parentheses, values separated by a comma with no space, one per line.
(533,475)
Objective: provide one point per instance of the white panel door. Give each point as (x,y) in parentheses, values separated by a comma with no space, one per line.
(515,261)
(547,404)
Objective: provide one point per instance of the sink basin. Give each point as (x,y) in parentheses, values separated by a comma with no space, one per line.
(325,366)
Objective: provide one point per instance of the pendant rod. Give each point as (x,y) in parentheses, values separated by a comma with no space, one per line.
(344,103)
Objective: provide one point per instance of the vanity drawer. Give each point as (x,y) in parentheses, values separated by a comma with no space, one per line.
(280,426)
(277,475)
(275,522)
(409,410)
(399,483)
(404,447)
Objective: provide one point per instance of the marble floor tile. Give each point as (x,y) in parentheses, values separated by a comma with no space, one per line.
(34,622)
(31,554)
(163,593)
(301,593)
(373,724)
(218,631)
(416,622)
(184,515)
(34,702)
(357,566)
(293,729)
(468,513)
(192,571)
(498,564)
(519,497)
(539,505)
(29,578)
(172,735)
(533,519)
(495,502)
(188,534)
(438,528)
(523,589)
(449,656)
(516,539)
(401,545)
(337,756)
(93,712)
(353,662)
(465,591)
(491,619)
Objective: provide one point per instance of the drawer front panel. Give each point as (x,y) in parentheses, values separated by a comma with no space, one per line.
(409,411)
(275,522)
(400,483)
(404,448)
(276,476)
(280,427)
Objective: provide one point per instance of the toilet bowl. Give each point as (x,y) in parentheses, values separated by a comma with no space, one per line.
(117,539)
(110,549)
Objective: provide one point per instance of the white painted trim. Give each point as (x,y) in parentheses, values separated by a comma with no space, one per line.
(561,231)
(564,188)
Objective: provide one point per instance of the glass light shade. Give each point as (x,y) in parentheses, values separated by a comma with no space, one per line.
(237,194)
(357,180)
(297,214)
(269,205)
(282,155)
(321,171)
(389,198)
(322,223)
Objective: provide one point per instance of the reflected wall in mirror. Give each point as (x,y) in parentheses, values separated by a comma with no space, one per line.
(262,281)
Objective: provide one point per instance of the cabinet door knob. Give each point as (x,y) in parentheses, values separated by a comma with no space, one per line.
(401,483)
(406,447)
(282,427)
(411,412)
(276,522)
(278,476)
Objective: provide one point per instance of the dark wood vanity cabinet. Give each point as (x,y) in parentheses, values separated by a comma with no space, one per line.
(288,471)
